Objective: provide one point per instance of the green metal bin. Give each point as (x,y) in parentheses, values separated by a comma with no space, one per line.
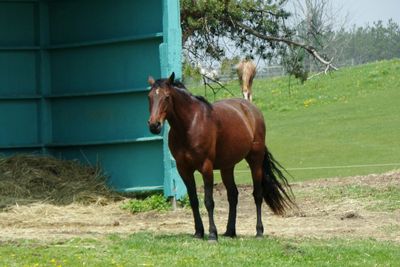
(73,84)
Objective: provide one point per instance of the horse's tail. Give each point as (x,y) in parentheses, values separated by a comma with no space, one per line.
(274,191)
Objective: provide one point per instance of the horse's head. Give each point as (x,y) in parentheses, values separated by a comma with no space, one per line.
(159,102)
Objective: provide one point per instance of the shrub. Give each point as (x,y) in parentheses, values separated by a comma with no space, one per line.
(153,202)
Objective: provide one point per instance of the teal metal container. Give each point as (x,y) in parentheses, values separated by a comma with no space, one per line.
(73,83)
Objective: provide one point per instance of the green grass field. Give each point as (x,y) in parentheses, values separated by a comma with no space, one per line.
(342,124)
(147,249)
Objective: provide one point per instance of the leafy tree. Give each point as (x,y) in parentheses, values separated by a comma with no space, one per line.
(369,43)
(190,70)
(227,65)
(255,27)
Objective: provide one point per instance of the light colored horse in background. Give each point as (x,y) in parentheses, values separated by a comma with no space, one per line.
(246,71)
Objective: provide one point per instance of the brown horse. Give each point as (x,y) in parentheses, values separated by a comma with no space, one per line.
(246,71)
(205,137)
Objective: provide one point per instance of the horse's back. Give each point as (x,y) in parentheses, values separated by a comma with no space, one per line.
(237,111)
(239,106)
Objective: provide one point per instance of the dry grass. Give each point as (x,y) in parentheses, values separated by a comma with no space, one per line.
(28,179)
(59,200)
(324,213)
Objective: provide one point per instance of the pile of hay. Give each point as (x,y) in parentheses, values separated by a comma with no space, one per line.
(26,179)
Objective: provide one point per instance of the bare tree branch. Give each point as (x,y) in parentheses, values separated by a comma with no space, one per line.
(207,78)
(310,49)
(319,73)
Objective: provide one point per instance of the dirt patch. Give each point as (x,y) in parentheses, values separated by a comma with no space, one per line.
(317,216)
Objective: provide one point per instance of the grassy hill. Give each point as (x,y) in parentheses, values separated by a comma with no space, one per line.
(341,124)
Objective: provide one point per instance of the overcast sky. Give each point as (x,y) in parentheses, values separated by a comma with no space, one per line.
(367,11)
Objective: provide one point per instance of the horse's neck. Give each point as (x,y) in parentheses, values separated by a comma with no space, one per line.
(186,109)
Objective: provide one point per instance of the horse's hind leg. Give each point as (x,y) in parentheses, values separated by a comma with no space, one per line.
(255,162)
(232,192)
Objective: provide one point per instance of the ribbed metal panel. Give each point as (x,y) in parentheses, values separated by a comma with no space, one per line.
(73,83)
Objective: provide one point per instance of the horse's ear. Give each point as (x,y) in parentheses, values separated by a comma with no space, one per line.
(171,78)
(150,80)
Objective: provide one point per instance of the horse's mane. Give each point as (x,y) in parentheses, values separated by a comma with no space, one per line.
(180,85)
(205,101)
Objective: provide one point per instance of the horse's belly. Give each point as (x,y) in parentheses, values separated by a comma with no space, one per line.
(221,163)
(229,154)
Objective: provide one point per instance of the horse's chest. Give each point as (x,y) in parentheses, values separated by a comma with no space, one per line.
(189,155)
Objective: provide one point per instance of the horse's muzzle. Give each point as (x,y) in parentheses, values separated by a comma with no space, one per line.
(155,128)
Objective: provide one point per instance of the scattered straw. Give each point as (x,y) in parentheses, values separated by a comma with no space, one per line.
(28,179)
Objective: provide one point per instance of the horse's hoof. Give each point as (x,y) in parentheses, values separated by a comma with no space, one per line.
(230,234)
(213,237)
(198,235)
(212,241)
(259,236)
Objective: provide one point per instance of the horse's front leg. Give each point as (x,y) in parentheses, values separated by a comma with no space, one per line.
(208,177)
(188,179)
